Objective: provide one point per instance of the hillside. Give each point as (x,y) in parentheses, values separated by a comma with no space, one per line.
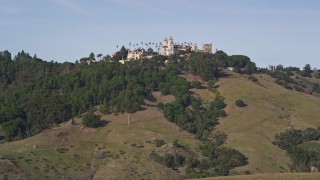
(162,122)
(271,176)
(86,152)
(271,109)
(114,151)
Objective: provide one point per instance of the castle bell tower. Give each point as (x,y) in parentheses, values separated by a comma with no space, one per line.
(164,47)
(167,47)
(170,46)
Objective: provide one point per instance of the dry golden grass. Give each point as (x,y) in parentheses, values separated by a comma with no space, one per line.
(272,176)
(84,144)
(271,109)
(162,98)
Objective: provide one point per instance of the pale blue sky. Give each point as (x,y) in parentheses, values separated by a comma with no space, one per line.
(268,31)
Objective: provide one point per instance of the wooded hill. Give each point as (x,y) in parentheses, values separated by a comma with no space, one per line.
(59,92)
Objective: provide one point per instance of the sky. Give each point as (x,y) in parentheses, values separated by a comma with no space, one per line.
(270,32)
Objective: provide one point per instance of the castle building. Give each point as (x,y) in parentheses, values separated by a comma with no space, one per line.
(167,47)
(207,48)
(136,54)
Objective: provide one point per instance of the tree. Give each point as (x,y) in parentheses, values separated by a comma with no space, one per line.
(6,55)
(150,51)
(306,71)
(279,67)
(250,68)
(240,103)
(91,56)
(91,120)
(196,84)
(169,160)
(211,84)
(104,107)
(99,56)
(72,121)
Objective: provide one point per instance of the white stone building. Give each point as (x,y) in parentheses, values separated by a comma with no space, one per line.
(170,48)
(167,47)
(135,54)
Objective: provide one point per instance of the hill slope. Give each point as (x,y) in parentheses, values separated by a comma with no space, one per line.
(272,176)
(121,151)
(114,151)
(271,109)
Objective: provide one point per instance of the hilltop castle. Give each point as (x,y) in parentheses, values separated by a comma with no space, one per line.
(169,48)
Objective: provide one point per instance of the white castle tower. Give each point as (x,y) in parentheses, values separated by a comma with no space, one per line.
(167,47)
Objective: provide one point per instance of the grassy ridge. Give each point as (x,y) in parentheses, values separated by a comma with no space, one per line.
(71,151)
(272,176)
(271,109)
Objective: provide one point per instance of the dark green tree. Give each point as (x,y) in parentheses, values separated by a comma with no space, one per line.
(240,103)
(306,71)
(91,120)
(92,56)
(196,84)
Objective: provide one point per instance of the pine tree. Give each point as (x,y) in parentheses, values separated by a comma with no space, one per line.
(104,107)
(73,122)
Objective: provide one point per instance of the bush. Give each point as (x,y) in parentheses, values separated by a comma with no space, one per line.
(240,103)
(91,120)
(160,105)
(211,84)
(73,122)
(252,78)
(196,84)
(169,160)
(159,142)
(153,155)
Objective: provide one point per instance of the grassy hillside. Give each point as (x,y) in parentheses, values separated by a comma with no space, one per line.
(272,176)
(70,150)
(119,150)
(271,109)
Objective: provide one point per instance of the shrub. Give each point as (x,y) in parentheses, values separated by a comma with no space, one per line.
(178,160)
(211,84)
(159,142)
(73,122)
(196,84)
(153,155)
(240,103)
(160,105)
(176,144)
(169,160)
(91,120)
(252,78)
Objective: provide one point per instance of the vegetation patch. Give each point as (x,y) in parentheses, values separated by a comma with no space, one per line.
(62,150)
(240,103)
(299,144)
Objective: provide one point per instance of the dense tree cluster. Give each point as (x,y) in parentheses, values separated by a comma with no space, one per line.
(192,115)
(293,78)
(169,160)
(291,141)
(59,96)
(24,69)
(208,66)
(199,119)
